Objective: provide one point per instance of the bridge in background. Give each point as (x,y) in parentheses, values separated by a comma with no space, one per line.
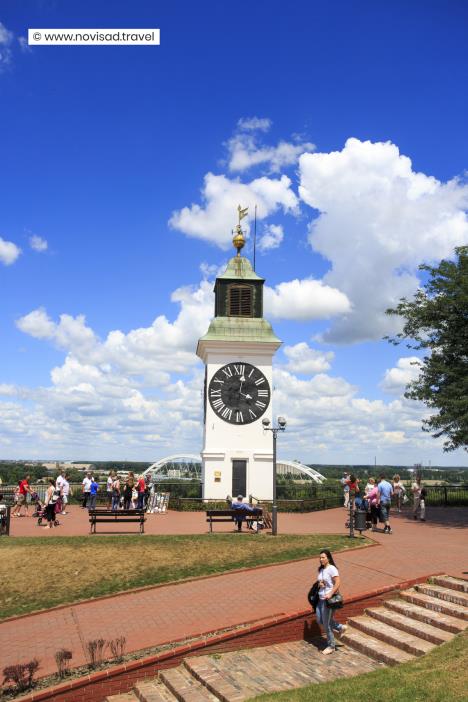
(188,466)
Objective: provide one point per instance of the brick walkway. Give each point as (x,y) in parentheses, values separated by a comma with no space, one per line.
(172,612)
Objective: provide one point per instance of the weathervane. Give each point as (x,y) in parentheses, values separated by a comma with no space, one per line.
(238,238)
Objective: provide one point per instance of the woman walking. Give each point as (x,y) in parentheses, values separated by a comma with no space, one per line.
(329,583)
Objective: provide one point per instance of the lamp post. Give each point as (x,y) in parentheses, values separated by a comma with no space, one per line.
(274,509)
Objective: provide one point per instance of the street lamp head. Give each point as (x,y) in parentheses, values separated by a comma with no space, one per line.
(282,422)
(266,422)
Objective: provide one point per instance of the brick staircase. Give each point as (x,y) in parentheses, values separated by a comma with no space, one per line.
(421,618)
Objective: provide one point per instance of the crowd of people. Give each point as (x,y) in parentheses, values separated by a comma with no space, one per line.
(130,493)
(379,494)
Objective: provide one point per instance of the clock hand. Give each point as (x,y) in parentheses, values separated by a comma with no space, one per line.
(248,397)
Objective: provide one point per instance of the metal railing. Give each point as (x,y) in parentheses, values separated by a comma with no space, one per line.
(291,498)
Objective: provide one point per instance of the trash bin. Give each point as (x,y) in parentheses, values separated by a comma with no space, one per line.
(360,520)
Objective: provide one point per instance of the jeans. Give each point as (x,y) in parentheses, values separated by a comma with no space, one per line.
(92,502)
(325,619)
(115,502)
(141,500)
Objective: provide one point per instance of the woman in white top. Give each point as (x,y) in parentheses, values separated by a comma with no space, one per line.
(329,583)
(398,490)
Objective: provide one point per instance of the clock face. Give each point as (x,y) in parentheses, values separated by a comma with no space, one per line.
(239,393)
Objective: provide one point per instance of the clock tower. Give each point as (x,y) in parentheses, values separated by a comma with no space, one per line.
(237,351)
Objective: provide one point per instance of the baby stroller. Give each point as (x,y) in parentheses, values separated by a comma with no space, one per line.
(40,511)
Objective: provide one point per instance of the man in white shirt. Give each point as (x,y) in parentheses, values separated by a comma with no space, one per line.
(64,492)
(86,487)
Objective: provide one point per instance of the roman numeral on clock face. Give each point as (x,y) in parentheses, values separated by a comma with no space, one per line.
(260,381)
(239,417)
(215,393)
(239,370)
(227,372)
(262,405)
(218,404)
(263,393)
(226,413)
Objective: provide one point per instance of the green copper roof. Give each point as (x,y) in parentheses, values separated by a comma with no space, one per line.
(240,329)
(239,267)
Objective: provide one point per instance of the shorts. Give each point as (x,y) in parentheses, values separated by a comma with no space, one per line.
(385,511)
(21,499)
(64,500)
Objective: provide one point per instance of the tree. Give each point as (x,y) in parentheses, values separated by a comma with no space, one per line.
(437,320)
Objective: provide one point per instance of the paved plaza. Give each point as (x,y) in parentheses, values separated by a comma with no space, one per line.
(170,612)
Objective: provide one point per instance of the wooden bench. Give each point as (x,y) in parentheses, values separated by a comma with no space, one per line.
(121,516)
(232,515)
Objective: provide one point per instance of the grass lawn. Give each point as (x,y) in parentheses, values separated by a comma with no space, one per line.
(439,676)
(84,568)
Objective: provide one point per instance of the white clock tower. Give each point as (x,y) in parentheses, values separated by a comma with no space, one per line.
(237,351)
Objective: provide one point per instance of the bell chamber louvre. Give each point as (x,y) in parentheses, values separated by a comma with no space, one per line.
(240,300)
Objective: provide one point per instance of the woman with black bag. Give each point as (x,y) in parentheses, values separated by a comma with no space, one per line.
(329,599)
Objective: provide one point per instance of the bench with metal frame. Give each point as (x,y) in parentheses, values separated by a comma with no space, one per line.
(233,515)
(120,516)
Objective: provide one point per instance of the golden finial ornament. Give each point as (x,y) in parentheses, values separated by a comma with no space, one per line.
(238,239)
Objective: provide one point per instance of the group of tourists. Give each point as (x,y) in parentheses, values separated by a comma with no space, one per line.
(377,496)
(55,500)
(132,492)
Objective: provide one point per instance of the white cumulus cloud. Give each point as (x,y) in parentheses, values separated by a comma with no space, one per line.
(378,220)
(304,300)
(246,150)
(396,379)
(305,360)
(37,243)
(271,238)
(6,39)
(9,252)
(214,221)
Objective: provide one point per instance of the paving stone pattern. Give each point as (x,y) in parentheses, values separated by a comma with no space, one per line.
(395,633)
(178,611)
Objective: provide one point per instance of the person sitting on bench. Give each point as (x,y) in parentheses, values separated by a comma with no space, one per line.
(242,508)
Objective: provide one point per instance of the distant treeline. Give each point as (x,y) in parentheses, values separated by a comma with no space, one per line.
(449,475)
(135,466)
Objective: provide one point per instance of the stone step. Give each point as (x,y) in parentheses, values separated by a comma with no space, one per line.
(153,691)
(205,670)
(122,697)
(434,603)
(184,686)
(437,619)
(375,648)
(444,593)
(389,634)
(428,632)
(242,675)
(449,581)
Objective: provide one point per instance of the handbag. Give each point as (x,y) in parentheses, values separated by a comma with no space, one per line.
(335,601)
(313,595)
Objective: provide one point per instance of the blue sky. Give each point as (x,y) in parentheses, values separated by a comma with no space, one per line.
(122,167)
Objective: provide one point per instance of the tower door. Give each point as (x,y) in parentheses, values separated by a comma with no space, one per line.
(239,478)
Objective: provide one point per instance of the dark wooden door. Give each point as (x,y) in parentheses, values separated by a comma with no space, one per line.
(239,478)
